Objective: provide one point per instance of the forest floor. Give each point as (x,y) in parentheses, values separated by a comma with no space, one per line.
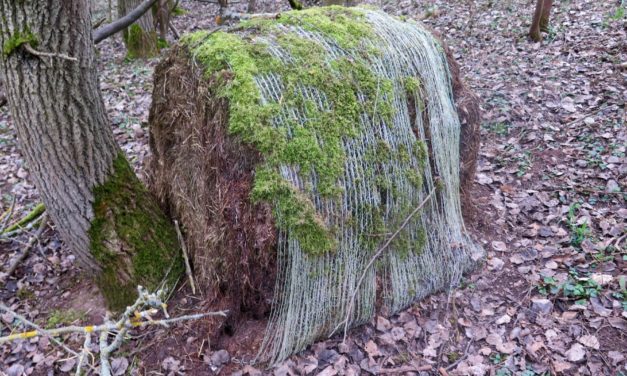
(550,197)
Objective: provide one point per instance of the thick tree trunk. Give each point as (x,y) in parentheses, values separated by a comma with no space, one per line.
(141,37)
(546,15)
(100,208)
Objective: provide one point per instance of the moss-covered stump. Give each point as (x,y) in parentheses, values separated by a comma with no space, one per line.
(292,149)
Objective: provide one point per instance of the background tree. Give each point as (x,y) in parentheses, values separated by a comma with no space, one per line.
(101,210)
(3,98)
(141,37)
(541,18)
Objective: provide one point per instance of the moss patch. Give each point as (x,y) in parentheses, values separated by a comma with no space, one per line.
(131,238)
(315,145)
(17,39)
(140,43)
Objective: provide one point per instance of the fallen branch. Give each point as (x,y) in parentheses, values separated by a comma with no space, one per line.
(374,258)
(176,33)
(31,242)
(188,269)
(122,23)
(151,303)
(28,218)
(235,16)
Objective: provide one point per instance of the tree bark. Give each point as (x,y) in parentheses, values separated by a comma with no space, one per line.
(101,210)
(534,30)
(141,37)
(546,15)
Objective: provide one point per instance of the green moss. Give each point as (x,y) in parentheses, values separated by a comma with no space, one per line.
(17,39)
(346,26)
(162,43)
(179,11)
(414,177)
(25,293)
(295,4)
(140,43)
(60,317)
(421,152)
(412,84)
(316,144)
(131,238)
(37,211)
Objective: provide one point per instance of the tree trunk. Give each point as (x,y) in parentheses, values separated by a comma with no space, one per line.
(162,14)
(534,30)
(101,210)
(141,37)
(546,15)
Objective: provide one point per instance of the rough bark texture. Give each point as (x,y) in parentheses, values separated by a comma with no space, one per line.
(141,37)
(70,150)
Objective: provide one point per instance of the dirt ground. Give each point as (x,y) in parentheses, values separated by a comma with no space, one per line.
(550,211)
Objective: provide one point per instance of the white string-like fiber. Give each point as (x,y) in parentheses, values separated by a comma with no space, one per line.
(313,292)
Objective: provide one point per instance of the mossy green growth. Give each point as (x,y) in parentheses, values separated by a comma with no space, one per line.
(131,238)
(179,11)
(60,317)
(34,214)
(140,43)
(412,84)
(295,130)
(17,39)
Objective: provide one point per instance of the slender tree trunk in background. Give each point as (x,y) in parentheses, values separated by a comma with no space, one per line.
(141,37)
(546,15)
(252,6)
(101,210)
(540,21)
(3,98)
(162,14)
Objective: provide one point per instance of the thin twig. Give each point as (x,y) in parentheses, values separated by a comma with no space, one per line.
(31,243)
(375,257)
(462,358)
(51,55)
(584,116)
(30,217)
(83,354)
(188,268)
(132,318)
(38,329)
